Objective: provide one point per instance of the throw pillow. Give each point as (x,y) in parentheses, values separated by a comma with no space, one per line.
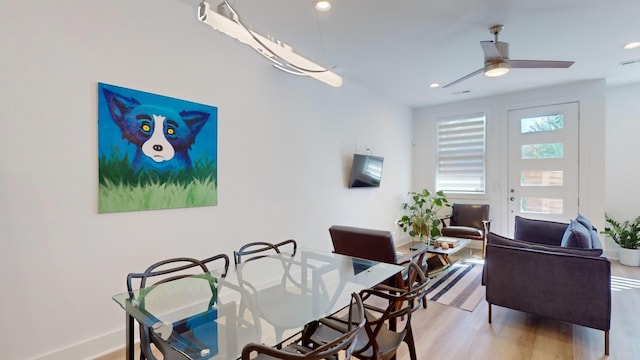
(595,239)
(496,239)
(576,236)
(584,221)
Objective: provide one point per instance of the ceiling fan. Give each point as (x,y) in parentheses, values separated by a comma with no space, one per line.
(497,62)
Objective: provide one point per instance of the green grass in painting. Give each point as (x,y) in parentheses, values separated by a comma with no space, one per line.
(123,189)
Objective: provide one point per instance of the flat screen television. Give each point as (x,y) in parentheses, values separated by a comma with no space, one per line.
(366,171)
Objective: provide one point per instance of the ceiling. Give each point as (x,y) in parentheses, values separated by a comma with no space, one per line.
(398,48)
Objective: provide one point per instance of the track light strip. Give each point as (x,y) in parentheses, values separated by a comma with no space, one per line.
(281,55)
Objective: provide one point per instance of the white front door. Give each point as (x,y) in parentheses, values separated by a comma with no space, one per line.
(543,162)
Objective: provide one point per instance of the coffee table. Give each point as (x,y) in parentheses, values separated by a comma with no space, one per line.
(440,261)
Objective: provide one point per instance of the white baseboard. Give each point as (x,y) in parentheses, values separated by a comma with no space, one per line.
(90,349)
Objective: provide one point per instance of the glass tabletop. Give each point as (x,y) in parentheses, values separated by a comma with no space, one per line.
(265,301)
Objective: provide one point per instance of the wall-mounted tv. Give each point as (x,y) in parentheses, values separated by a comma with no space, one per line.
(366,171)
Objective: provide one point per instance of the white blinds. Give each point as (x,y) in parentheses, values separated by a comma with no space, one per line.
(461,154)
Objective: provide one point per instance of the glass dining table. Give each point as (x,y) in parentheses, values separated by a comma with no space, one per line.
(208,316)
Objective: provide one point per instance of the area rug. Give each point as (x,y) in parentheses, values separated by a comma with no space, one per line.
(460,286)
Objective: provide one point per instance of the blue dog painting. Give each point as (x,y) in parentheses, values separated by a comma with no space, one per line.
(154,151)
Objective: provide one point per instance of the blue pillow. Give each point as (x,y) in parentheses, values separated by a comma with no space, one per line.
(576,236)
(584,221)
(595,240)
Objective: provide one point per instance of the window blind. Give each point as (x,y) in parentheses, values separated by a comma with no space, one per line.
(461,154)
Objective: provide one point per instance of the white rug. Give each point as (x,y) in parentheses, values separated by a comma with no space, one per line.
(460,286)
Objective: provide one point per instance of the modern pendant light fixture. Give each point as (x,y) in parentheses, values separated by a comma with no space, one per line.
(282,56)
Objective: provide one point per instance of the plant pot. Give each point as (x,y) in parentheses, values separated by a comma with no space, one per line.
(629,257)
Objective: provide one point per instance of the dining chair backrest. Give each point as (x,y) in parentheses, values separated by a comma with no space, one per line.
(385,307)
(415,282)
(370,244)
(259,249)
(413,292)
(328,350)
(289,286)
(383,338)
(162,272)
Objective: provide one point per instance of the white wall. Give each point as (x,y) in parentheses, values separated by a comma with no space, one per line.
(622,169)
(591,97)
(285,145)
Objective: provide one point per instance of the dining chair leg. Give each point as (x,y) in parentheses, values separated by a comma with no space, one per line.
(411,344)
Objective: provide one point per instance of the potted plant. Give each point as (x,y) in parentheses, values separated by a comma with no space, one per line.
(421,214)
(627,236)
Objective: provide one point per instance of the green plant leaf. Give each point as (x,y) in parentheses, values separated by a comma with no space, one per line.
(626,234)
(420,216)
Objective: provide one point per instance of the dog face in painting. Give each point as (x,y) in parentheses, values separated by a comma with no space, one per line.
(162,136)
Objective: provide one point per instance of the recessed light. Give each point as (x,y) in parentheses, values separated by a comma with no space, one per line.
(434,85)
(632,45)
(322,5)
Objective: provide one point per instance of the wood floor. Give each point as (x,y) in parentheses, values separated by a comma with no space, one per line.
(443,332)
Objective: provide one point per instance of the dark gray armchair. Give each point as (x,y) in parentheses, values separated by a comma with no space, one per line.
(540,276)
(468,221)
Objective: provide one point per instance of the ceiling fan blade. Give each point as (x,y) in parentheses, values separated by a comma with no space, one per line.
(490,50)
(479,71)
(539,64)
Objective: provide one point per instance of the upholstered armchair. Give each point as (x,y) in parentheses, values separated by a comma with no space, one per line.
(468,221)
(541,271)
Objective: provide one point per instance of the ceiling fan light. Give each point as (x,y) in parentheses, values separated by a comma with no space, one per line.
(632,45)
(496,69)
(322,5)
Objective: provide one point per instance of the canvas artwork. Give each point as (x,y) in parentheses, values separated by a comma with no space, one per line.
(155,152)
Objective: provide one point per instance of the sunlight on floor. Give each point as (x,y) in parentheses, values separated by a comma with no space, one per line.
(621,283)
(475,260)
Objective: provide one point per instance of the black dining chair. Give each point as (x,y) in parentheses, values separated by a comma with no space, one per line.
(343,342)
(252,257)
(163,272)
(259,249)
(371,244)
(386,327)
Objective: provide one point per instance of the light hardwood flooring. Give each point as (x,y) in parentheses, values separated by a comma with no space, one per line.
(443,332)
